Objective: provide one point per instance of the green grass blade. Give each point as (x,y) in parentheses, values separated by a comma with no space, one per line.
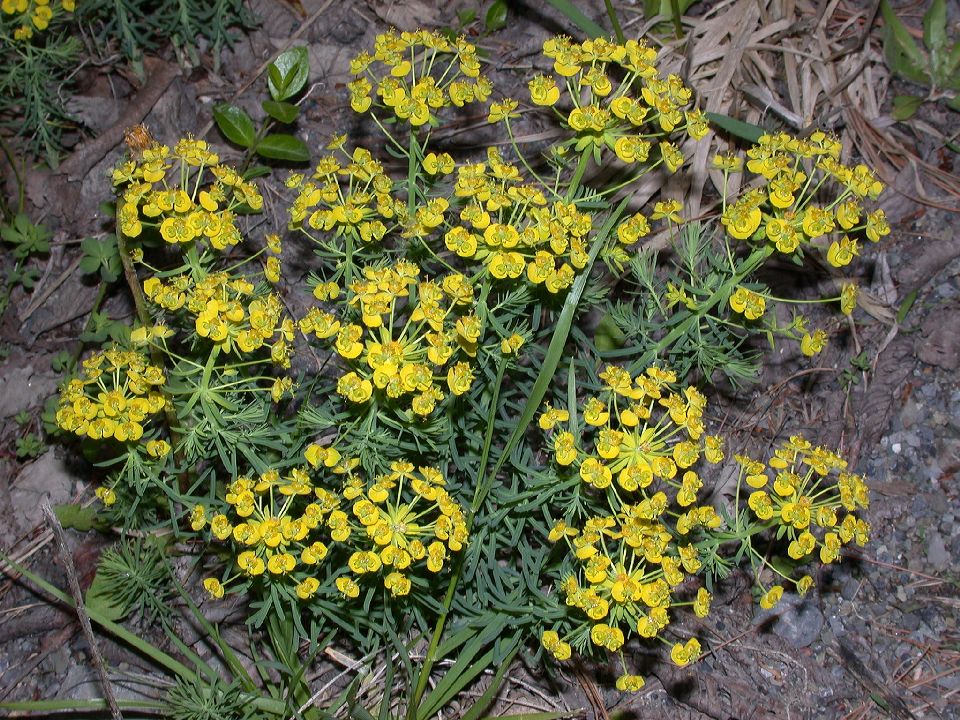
(573,14)
(483,702)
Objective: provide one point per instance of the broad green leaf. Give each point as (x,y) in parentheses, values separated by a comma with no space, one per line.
(77,517)
(573,14)
(288,74)
(279,146)
(496,17)
(737,128)
(902,54)
(904,106)
(99,599)
(235,125)
(954,103)
(257,171)
(951,67)
(281,111)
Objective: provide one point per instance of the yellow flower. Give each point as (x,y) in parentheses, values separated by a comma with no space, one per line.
(198,518)
(669,209)
(214,587)
(281,563)
(810,345)
(347,586)
(684,654)
(502,111)
(544,90)
(770,598)
(158,448)
(308,588)
(106,495)
(630,683)
(748,303)
(250,564)
(848,298)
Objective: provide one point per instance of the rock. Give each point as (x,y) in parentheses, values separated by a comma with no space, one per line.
(22,388)
(44,480)
(797,620)
(937,554)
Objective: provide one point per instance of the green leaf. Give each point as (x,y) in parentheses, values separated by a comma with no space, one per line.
(101,255)
(235,125)
(98,598)
(935,35)
(904,106)
(77,517)
(573,14)
(954,103)
(608,336)
(902,54)
(496,17)
(737,128)
(279,146)
(287,75)
(281,111)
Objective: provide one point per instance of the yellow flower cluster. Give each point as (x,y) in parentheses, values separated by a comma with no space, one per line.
(748,303)
(630,560)
(183,211)
(352,198)
(280,525)
(618,100)
(34,14)
(114,397)
(802,491)
(510,227)
(284,527)
(408,332)
(228,312)
(784,210)
(405,517)
(415,74)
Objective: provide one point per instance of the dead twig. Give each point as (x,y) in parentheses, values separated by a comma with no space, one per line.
(81,609)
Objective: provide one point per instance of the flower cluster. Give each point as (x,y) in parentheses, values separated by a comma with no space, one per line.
(415,74)
(646,440)
(802,492)
(618,100)
(406,518)
(227,311)
(114,397)
(283,527)
(784,210)
(34,14)
(513,230)
(280,525)
(404,343)
(345,199)
(183,211)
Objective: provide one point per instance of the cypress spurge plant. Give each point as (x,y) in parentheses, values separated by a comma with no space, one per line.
(396,499)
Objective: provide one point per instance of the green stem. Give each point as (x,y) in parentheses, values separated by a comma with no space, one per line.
(614,22)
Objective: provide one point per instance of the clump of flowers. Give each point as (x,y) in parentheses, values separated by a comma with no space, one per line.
(183,210)
(227,311)
(806,495)
(34,15)
(616,100)
(785,211)
(280,526)
(636,461)
(115,396)
(348,200)
(415,74)
(404,344)
(406,519)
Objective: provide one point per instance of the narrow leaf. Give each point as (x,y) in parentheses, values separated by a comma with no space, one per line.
(902,54)
(235,125)
(279,146)
(737,128)
(570,11)
(935,32)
